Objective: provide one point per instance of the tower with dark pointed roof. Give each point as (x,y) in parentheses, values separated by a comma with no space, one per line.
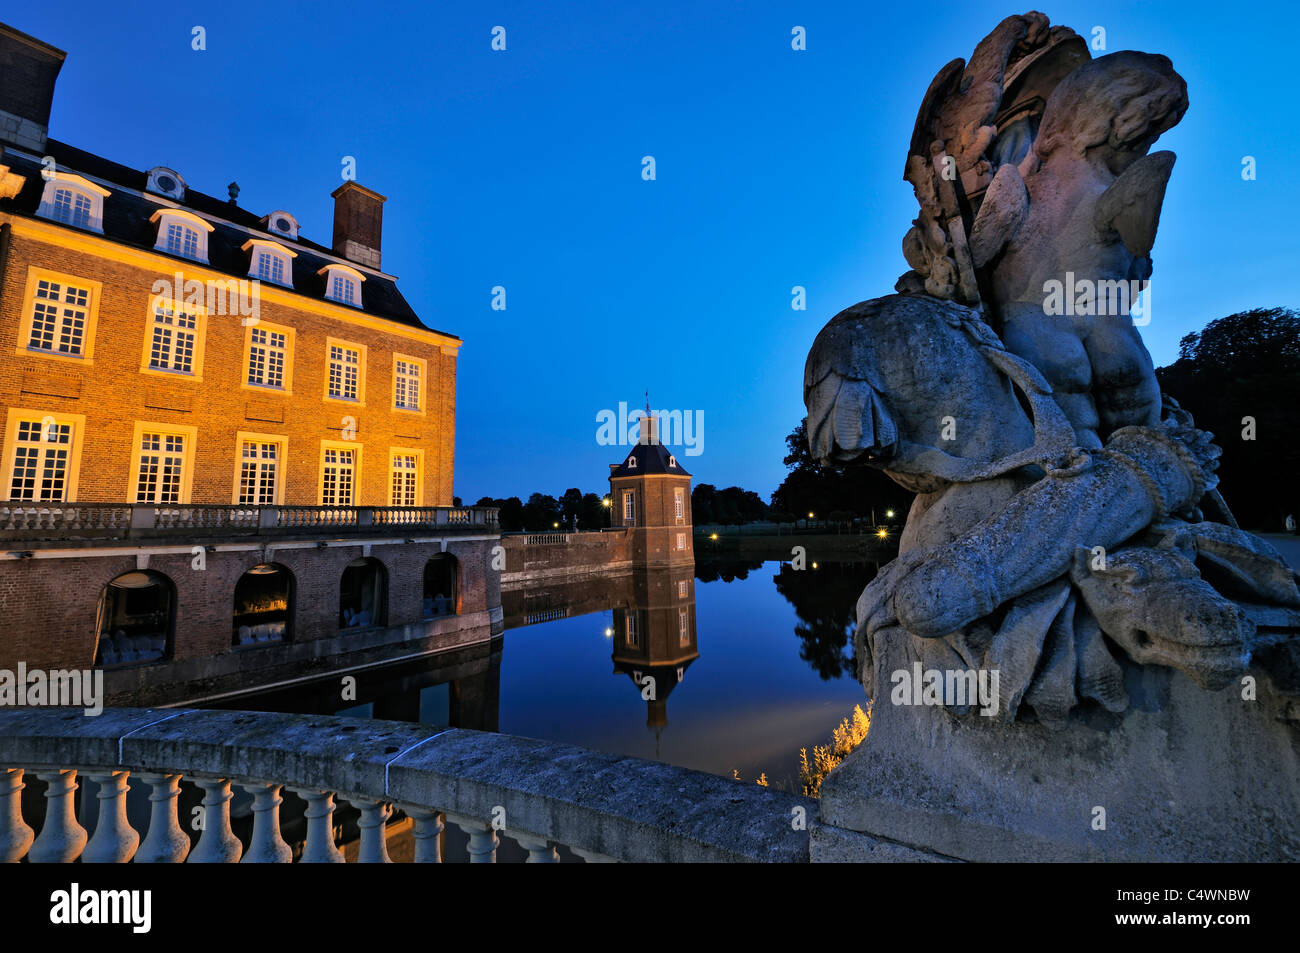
(650,496)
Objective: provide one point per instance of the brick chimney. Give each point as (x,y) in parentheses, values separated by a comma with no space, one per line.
(28,69)
(358,223)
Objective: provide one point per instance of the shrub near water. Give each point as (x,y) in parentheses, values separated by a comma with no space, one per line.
(850,733)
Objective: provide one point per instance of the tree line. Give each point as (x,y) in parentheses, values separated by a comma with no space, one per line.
(1239,378)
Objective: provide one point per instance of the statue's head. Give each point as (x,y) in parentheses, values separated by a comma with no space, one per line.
(1112,109)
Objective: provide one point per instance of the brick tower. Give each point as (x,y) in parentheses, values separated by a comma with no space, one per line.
(650,494)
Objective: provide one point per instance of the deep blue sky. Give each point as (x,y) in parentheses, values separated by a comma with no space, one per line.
(523,169)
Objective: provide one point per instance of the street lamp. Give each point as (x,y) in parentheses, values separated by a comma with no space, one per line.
(883,534)
(889,514)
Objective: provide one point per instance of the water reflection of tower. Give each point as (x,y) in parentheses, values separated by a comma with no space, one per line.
(654,627)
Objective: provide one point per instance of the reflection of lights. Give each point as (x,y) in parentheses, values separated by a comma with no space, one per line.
(810,516)
(714,536)
(883,534)
(889,514)
(814,565)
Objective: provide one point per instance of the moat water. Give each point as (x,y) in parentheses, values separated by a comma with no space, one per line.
(768,670)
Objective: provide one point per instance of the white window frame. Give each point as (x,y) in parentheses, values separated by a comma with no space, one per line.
(342,273)
(281,453)
(326,448)
(62,319)
(681,541)
(421,368)
(257,247)
(269,348)
(44,420)
(185,478)
(394,454)
(156,330)
(361,352)
(164,218)
(679,505)
(632,635)
(683,629)
(79,187)
(629,508)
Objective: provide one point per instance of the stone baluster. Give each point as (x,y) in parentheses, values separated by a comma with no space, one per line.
(374,845)
(114,840)
(482,839)
(539,851)
(218,843)
(166,842)
(61,838)
(320,848)
(16,835)
(428,834)
(591,857)
(266,846)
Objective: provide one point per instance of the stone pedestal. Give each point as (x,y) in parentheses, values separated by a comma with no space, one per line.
(1183,775)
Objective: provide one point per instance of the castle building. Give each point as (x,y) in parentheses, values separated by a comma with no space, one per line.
(232,436)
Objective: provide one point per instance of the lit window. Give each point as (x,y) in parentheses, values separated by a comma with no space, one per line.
(406,479)
(681,589)
(342,284)
(269,262)
(633,636)
(160,469)
(181,233)
(344,372)
(182,240)
(171,347)
(41,454)
(73,200)
(58,318)
(338,476)
(267,351)
(270,267)
(72,208)
(406,385)
(258,472)
(629,507)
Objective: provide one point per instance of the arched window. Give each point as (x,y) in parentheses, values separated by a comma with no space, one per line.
(362,594)
(441,595)
(137,613)
(263,609)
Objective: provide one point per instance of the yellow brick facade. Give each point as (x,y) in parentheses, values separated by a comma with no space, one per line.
(114,394)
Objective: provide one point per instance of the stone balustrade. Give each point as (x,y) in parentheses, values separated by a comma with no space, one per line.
(116,521)
(602,807)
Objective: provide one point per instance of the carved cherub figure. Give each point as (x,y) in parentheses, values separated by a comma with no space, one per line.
(1081,210)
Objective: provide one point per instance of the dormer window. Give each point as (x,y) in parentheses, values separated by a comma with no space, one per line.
(631,463)
(181,233)
(270,262)
(165,181)
(282,223)
(73,200)
(672,461)
(343,284)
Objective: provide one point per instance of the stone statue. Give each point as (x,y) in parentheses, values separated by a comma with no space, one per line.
(1067,530)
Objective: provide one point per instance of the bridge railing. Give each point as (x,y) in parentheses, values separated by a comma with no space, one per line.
(54,521)
(540,794)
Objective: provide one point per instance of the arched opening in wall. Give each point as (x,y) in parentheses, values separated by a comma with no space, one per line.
(136,619)
(362,594)
(441,595)
(263,609)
